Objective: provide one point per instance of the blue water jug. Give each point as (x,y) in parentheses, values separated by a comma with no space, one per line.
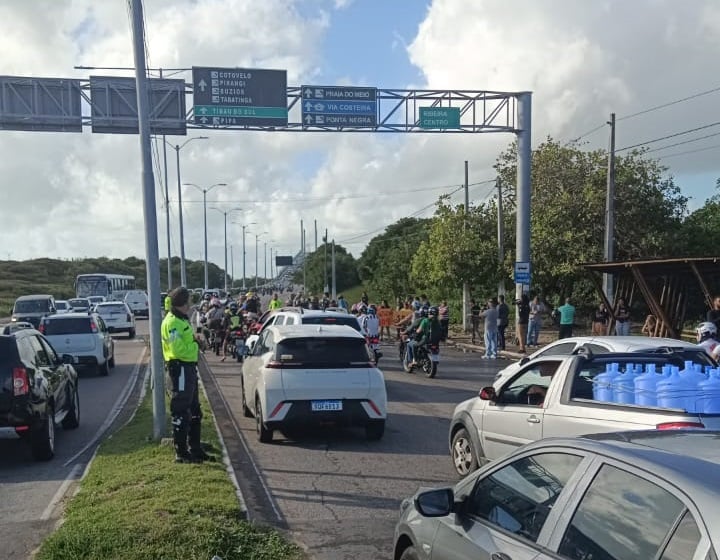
(603,383)
(708,400)
(624,386)
(692,376)
(673,392)
(666,370)
(646,387)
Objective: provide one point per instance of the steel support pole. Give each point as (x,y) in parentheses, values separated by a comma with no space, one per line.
(244,287)
(265,259)
(500,235)
(608,287)
(334,282)
(524,163)
(167,211)
(183,271)
(256,261)
(225,270)
(466,286)
(205,236)
(150,217)
(232,267)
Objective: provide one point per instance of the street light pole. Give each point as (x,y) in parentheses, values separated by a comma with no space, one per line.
(225,215)
(205,191)
(257,236)
(177,148)
(244,226)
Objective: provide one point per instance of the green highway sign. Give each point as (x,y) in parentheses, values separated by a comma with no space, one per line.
(247,111)
(439,117)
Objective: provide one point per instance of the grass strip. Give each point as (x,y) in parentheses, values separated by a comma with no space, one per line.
(136,503)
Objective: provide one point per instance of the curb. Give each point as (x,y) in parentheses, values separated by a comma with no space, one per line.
(469,347)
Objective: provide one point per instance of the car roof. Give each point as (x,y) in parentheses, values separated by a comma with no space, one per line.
(108,303)
(64,316)
(34,296)
(627,342)
(315,331)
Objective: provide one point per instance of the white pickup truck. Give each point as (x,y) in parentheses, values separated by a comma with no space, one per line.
(552,396)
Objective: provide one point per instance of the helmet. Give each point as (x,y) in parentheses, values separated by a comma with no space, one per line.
(249,294)
(706,330)
(423,312)
(207,296)
(433,311)
(215,302)
(371,310)
(363,309)
(416,305)
(233,306)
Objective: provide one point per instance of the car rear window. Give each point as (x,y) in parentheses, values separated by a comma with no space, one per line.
(32,306)
(107,309)
(70,325)
(323,352)
(79,302)
(8,351)
(350,321)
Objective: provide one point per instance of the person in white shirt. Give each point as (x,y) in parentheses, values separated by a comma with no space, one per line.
(707,338)
(370,323)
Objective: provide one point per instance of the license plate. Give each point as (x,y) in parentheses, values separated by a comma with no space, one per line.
(323,406)
(434,357)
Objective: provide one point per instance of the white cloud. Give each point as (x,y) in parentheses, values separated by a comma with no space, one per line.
(79,194)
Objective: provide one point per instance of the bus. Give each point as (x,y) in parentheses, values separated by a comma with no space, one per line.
(111,286)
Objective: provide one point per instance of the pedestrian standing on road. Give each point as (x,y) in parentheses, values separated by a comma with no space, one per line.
(523,311)
(713,315)
(622,318)
(600,321)
(444,312)
(180,352)
(567,318)
(502,321)
(475,319)
(491,329)
(535,322)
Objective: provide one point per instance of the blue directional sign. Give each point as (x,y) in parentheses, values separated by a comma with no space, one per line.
(522,272)
(338,106)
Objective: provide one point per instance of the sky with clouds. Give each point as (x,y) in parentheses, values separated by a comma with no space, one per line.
(76,195)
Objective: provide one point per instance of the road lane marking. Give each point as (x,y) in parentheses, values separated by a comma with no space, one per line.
(60,494)
(116,409)
(236,427)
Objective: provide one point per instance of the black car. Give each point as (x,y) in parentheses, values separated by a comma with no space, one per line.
(38,389)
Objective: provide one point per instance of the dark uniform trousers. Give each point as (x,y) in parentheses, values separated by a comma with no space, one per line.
(185,407)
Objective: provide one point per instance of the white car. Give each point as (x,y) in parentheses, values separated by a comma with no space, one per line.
(137,301)
(84,336)
(117,317)
(598,345)
(94,300)
(62,306)
(312,375)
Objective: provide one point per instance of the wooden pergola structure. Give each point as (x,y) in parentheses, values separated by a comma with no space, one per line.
(666,286)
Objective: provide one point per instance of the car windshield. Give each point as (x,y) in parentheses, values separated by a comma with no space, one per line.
(323,352)
(107,309)
(79,303)
(72,325)
(61,305)
(350,321)
(32,306)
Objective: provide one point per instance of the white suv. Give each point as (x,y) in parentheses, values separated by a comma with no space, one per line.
(313,375)
(117,317)
(84,336)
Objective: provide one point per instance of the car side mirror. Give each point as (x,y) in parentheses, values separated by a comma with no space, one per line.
(488,394)
(68,359)
(250,347)
(524,360)
(435,503)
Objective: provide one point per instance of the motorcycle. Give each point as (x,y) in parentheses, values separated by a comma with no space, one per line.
(216,340)
(427,356)
(236,344)
(373,343)
(402,346)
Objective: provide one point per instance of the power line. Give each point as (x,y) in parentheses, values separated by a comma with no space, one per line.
(669,136)
(690,151)
(684,142)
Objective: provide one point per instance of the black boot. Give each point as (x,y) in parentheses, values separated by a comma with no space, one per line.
(196,450)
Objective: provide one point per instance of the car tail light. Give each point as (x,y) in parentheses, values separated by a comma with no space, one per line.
(375,408)
(41,328)
(22,429)
(20,382)
(93,327)
(128,318)
(273,364)
(679,425)
(276,409)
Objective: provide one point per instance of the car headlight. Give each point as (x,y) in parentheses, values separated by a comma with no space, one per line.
(406,503)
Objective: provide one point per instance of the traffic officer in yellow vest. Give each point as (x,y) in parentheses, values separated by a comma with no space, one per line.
(167,304)
(180,351)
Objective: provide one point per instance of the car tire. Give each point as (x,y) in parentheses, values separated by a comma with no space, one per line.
(72,418)
(410,554)
(112,361)
(464,454)
(375,430)
(433,370)
(247,413)
(42,441)
(104,368)
(131,333)
(264,434)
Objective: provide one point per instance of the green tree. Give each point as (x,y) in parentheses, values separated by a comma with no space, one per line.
(386,261)
(701,229)
(318,268)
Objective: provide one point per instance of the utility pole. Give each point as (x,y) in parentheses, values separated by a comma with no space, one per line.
(183,272)
(315,234)
(326,288)
(500,235)
(232,268)
(304,259)
(466,286)
(608,287)
(167,211)
(150,218)
(334,280)
(524,162)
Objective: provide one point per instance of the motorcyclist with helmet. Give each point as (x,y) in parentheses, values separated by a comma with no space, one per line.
(429,330)
(412,332)
(252,306)
(214,316)
(707,338)
(232,326)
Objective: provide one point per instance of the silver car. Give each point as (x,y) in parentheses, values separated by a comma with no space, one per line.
(620,496)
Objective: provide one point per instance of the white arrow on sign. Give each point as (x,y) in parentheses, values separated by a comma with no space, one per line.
(308,106)
(308,119)
(203,120)
(203,110)
(202,85)
(308,92)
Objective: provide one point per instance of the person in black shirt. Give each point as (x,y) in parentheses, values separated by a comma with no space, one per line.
(600,321)
(502,321)
(523,305)
(713,315)
(475,318)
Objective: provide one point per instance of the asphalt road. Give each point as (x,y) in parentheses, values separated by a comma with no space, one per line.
(335,493)
(30,492)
